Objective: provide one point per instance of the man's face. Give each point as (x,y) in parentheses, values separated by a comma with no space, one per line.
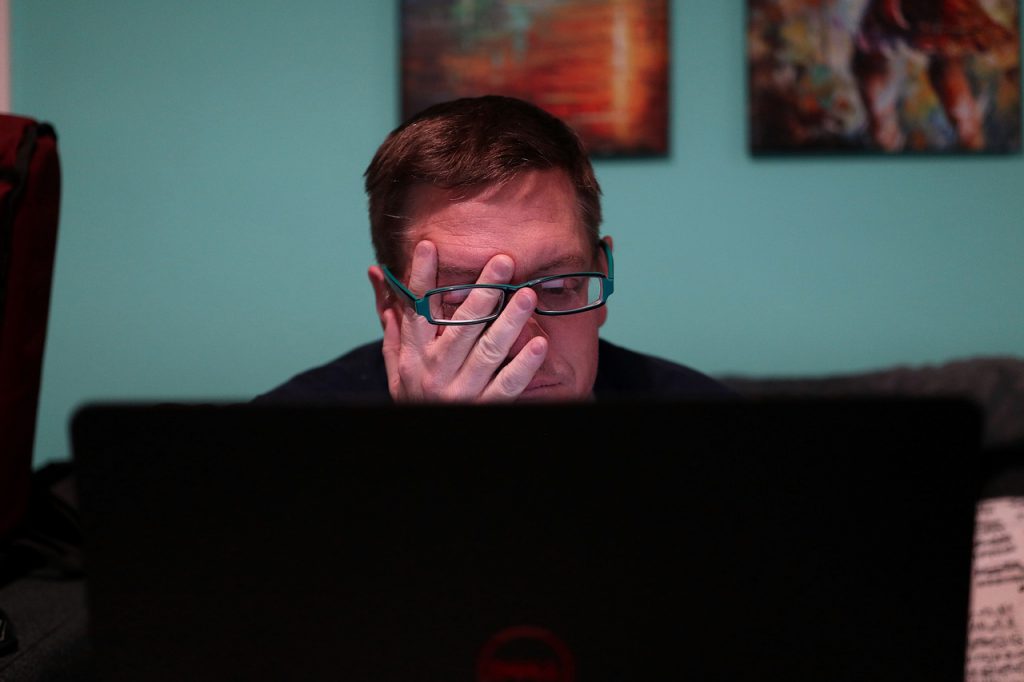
(534,221)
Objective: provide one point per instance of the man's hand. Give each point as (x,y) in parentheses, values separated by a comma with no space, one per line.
(462,363)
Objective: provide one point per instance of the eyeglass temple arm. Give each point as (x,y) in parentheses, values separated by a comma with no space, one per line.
(396,285)
(609,284)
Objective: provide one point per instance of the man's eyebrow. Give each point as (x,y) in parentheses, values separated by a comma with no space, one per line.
(569,261)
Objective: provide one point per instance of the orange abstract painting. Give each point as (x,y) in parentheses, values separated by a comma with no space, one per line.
(600,65)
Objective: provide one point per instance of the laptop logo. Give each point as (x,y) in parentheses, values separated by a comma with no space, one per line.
(525,654)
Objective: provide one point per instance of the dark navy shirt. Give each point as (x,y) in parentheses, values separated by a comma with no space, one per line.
(360,374)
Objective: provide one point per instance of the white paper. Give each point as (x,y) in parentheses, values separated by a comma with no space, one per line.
(995,631)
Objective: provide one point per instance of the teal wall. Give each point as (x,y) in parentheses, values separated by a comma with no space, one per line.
(214,241)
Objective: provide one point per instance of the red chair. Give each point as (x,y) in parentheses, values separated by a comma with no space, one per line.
(29,210)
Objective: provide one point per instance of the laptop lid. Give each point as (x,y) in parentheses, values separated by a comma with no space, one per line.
(774,540)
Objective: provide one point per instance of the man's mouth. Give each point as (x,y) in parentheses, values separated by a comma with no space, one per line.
(538,383)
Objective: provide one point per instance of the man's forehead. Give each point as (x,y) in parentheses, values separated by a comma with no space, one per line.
(534,219)
(466,257)
(453,264)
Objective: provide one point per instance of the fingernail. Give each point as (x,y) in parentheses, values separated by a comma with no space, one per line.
(502,268)
(525,302)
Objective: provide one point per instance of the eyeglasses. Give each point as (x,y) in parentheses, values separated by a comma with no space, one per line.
(568,294)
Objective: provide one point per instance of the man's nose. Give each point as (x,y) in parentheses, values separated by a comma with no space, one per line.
(531,329)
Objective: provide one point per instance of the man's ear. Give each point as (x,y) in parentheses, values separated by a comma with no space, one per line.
(382,293)
(611,247)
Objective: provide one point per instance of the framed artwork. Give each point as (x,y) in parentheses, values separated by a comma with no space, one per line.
(884,76)
(600,65)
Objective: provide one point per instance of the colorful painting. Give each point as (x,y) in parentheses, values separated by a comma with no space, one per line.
(884,76)
(600,65)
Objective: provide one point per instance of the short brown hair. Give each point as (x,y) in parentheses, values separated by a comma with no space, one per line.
(470,143)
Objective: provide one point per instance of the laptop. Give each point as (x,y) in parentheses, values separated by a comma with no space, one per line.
(783,539)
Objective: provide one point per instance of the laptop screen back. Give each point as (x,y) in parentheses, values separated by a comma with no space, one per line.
(783,540)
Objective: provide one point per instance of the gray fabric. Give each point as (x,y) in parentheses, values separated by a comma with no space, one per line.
(49,618)
(42,585)
(996,384)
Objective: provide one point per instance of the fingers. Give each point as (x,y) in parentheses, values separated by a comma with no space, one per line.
(391,350)
(423,270)
(466,357)
(513,379)
(482,302)
(462,362)
(417,331)
(493,346)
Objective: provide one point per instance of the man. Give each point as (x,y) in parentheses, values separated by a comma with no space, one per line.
(489,191)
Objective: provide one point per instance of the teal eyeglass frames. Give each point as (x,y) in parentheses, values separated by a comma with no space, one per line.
(567,294)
